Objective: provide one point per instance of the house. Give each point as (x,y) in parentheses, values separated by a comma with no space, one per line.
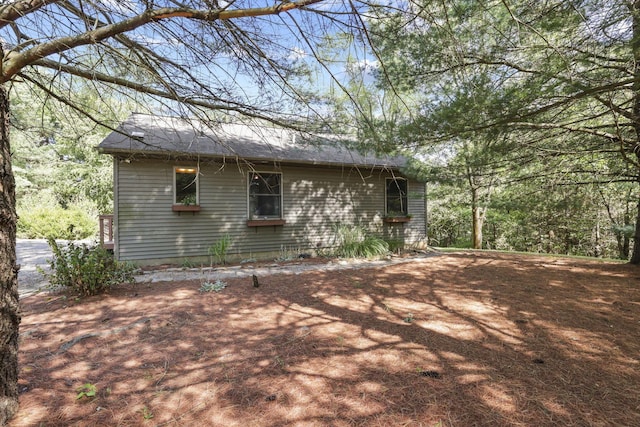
(180,186)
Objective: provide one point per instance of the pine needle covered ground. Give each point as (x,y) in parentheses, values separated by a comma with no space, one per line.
(459,339)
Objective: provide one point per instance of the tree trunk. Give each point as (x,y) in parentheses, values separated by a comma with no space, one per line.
(623,237)
(635,45)
(9,309)
(624,254)
(478,219)
(635,257)
(597,247)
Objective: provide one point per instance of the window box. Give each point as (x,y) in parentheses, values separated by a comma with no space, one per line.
(265,222)
(185,208)
(396,219)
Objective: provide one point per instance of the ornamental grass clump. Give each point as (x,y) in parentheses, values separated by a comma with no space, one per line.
(218,250)
(354,242)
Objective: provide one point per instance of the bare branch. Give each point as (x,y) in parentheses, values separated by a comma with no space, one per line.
(15,61)
(141,88)
(67,101)
(10,12)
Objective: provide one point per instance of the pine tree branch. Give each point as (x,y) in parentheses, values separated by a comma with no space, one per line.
(245,110)
(15,61)
(9,13)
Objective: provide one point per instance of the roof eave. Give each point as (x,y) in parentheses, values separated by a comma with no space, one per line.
(188,155)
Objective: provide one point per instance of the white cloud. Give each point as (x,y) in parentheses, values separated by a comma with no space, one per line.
(125,7)
(365,66)
(296,53)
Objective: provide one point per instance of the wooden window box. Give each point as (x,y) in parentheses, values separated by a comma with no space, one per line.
(265,222)
(185,208)
(396,219)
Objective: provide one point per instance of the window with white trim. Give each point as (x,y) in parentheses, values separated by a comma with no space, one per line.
(185,186)
(265,195)
(396,197)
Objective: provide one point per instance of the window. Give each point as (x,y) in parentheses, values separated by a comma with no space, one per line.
(396,197)
(186,186)
(265,196)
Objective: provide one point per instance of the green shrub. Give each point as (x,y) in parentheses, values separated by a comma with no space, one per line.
(47,222)
(188,263)
(216,286)
(353,242)
(86,270)
(395,245)
(87,390)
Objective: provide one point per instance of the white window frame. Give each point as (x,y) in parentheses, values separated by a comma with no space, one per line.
(190,170)
(250,214)
(386,196)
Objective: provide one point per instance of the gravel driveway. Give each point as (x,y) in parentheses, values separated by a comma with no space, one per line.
(32,253)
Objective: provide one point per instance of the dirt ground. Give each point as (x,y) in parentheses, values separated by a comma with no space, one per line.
(461,339)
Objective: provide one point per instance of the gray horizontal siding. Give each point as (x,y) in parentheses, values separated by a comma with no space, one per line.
(318,199)
(415,230)
(314,199)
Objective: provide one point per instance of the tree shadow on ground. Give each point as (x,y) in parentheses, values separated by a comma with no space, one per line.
(460,339)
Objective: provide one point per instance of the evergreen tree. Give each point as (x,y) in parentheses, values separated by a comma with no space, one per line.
(558,80)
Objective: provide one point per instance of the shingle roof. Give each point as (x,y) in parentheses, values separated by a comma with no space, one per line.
(171,136)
